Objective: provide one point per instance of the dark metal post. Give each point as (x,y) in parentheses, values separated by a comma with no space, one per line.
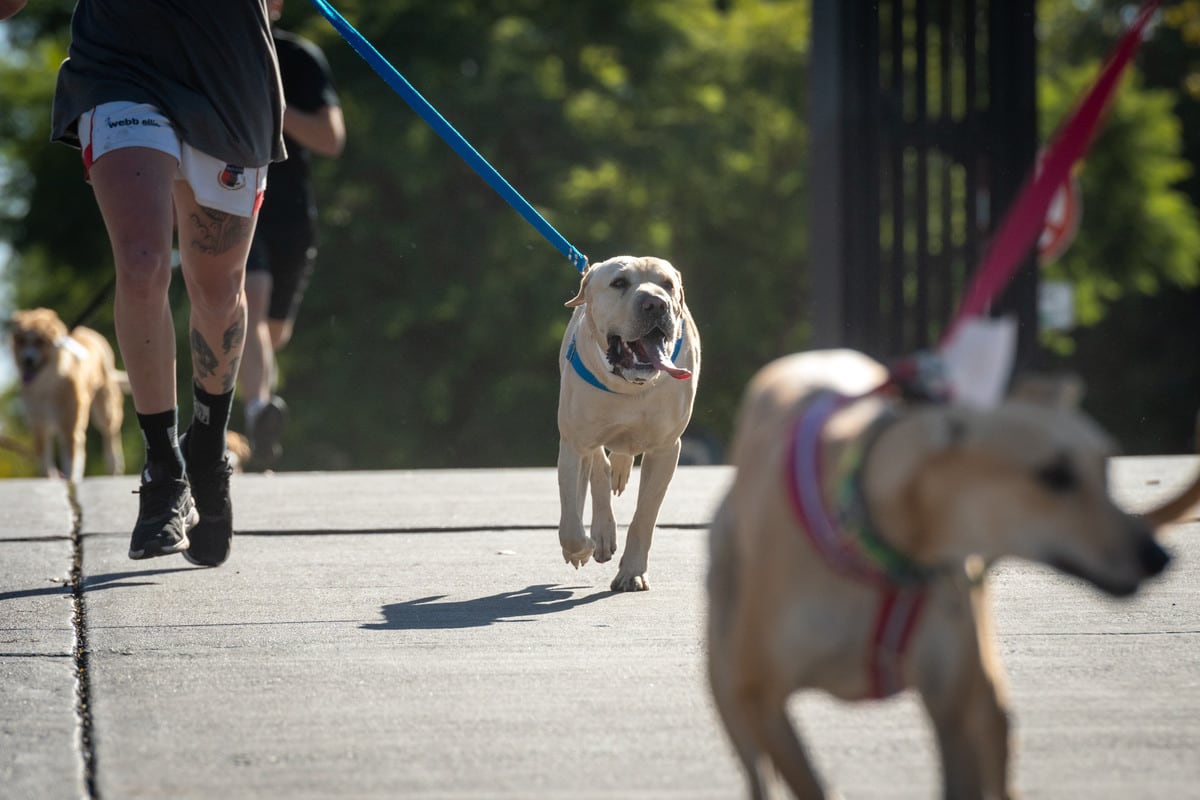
(844,269)
(1012,68)
(906,145)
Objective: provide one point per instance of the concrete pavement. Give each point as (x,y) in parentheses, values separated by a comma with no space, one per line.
(416,634)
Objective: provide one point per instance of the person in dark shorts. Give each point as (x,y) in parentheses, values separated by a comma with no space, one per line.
(285,243)
(176,128)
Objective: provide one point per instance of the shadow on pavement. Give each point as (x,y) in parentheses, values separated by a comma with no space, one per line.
(428,613)
(111,580)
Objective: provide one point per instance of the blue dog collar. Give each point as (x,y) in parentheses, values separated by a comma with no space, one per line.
(582,371)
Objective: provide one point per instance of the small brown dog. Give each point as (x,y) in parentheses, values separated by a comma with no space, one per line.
(850,554)
(67,377)
(629,364)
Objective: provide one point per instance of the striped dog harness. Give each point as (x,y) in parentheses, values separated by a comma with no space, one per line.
(842,533)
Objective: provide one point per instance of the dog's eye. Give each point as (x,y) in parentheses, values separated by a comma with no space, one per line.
(620,283)
(669,286)
(1057,476)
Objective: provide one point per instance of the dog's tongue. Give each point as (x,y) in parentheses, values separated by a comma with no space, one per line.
(655,350)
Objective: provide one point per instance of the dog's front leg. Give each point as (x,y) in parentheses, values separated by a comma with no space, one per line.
(973,741)
(658,467)
(726,655)
(43,449)
(76,442)
(764,737)
(574,469)
(604,524)
(114,456)
(968,711)
(107,415)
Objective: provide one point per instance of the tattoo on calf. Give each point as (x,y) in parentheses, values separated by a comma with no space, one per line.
(217,232)
(229,382)
(234,336)
(204,360)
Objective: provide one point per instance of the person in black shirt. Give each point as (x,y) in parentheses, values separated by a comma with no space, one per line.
(285,244)
(176,128)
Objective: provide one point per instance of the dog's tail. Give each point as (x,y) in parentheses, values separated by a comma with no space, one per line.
(1175,508)
(122,379)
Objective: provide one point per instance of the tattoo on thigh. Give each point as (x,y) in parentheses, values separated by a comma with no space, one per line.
(233,337)
(217,232)
(204,360)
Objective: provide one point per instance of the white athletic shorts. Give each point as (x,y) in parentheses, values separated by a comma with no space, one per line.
(224,187)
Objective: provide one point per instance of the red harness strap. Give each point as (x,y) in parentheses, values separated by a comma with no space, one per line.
(900,605)
(895,621)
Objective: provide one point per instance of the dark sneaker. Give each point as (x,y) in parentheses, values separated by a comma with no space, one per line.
(212,537)
(166,512)
(266,433)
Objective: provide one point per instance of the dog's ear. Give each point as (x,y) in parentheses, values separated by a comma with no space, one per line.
(1050,391)
(578,299)
(12,323)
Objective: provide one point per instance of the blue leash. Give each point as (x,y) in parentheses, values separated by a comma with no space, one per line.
(445,130)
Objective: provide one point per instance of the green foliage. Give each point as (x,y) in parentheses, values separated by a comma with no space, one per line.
(1134,262)
(430,333)
(1137,230)
(667,129)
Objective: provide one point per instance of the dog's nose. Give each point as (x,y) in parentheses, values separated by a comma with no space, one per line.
(653,304)
(1152,558)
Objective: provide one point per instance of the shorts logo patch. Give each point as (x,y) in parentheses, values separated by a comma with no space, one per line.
(232,177)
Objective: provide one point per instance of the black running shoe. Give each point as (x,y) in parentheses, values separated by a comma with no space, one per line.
(266,433)
(212,537)
(166,512)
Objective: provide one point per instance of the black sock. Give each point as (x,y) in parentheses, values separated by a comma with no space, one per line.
(210,419)
(161,433)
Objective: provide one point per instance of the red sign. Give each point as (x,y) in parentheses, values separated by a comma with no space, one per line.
(1062,221)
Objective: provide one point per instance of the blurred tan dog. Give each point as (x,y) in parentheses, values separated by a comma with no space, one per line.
(67,378)
(850,554)
(239,449)
(629,363)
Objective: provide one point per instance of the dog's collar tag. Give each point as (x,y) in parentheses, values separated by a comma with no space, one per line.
(582,371)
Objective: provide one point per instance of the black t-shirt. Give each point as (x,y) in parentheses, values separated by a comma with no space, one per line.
(308,87)
(208,65)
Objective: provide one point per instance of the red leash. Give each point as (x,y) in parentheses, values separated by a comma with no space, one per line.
(1024,221)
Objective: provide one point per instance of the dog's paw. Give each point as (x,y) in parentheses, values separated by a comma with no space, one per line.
(605,538)
(629,583)
(578,557)
(622,466)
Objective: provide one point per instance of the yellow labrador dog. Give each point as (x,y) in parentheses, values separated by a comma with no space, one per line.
(67,378)
(849,555)
(629,363)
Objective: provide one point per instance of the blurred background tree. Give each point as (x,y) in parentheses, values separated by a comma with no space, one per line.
(1136,261)
(429,336)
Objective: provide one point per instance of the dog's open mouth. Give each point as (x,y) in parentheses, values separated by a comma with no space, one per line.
(29,369)
(647,355)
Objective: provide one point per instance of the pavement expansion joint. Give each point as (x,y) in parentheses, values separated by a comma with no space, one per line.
(83,693)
